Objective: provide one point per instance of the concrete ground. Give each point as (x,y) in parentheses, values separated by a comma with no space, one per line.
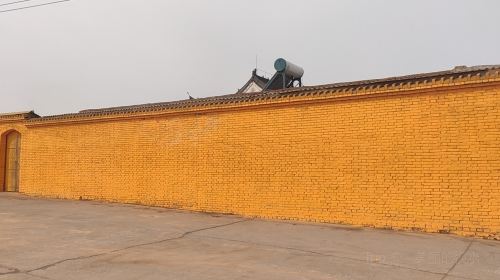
(55,239)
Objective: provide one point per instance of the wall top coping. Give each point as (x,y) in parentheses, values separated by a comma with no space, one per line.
(457,77)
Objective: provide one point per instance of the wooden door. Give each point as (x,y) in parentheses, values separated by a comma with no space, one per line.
(12,162)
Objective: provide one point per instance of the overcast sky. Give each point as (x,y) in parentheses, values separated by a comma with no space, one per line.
(99,53)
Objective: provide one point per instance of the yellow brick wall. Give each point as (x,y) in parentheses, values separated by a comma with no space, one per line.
(426,161)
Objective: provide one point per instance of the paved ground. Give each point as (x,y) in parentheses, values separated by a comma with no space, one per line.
(53,239)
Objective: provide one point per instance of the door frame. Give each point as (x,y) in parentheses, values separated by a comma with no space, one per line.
(3,159)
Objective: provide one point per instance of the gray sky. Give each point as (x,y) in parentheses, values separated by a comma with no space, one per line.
(99,53)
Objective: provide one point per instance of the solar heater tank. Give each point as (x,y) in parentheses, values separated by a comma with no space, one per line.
(289,69)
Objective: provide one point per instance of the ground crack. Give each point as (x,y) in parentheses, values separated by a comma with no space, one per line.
(458,260)
(343,257)
(126,248)
(10,270)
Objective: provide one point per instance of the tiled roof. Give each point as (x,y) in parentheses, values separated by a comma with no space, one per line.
(260,81)
(457,73)
(18,115)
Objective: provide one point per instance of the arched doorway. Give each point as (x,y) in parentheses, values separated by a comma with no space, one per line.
(12,155)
